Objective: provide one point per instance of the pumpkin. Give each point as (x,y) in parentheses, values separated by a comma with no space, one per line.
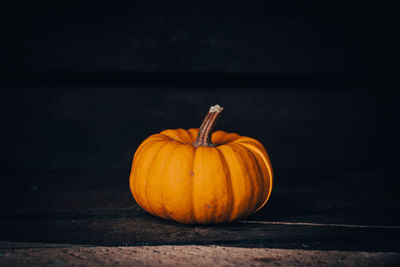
(196,176)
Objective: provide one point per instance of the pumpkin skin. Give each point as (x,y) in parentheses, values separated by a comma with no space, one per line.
(175,180)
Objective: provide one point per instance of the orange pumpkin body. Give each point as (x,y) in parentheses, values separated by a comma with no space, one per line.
(173,179)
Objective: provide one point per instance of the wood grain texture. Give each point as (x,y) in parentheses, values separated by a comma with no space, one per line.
(65,208)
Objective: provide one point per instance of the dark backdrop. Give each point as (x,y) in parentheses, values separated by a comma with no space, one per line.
(99,128)
(83,84)
(213,36)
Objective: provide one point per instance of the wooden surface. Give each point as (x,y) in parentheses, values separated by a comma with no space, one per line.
(22,254)
(344,211)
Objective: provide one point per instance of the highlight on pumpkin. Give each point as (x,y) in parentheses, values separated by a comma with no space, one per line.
(201,176)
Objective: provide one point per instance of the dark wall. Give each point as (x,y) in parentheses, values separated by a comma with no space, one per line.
(264,36)
(84,83)
(100,128)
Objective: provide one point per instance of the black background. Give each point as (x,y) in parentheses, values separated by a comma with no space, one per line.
(317,83)
(86,82)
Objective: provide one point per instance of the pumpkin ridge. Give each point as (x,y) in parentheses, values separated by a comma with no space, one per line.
(229,183)
(260,177)
(242,210)
(154,137)
(243,167)
(172,139)
(230,138)
(142,149)
(175,185)
(167,164)
(264,156)
(184,135)
(192,185)
(139,196)
(193,207)
(163,155)
(209,191)
(146,189)
(177,135)
(193,132)
(132,179)
(220,208)
(143,144)
(254,182)
(186,175)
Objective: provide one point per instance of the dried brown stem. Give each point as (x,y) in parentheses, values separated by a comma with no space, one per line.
(207,127)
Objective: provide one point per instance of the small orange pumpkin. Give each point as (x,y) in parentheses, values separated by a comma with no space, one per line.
(180,175)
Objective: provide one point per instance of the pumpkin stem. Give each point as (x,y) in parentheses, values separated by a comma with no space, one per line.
(207,127)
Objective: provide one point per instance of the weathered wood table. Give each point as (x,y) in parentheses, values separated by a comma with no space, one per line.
(62,213)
